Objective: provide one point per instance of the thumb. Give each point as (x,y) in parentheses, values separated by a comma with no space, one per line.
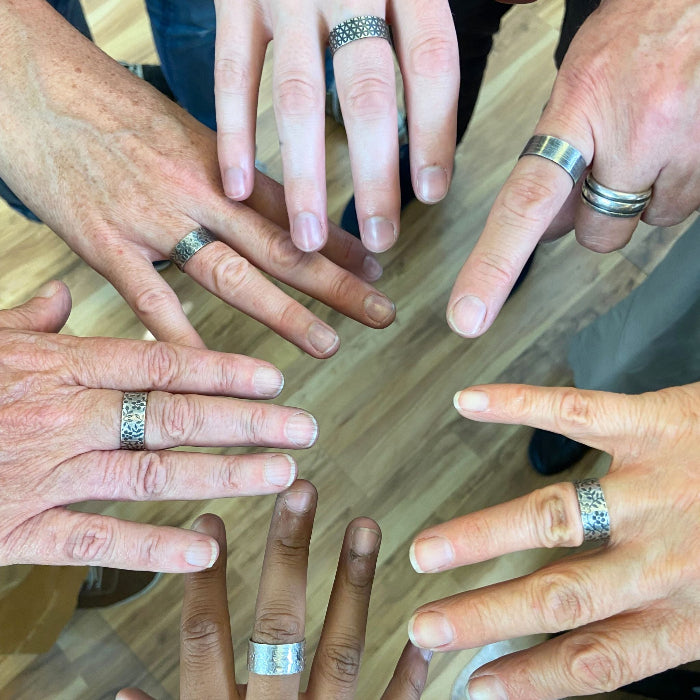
(46,312)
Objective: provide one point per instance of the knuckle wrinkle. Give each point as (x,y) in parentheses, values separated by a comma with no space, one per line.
(277,627)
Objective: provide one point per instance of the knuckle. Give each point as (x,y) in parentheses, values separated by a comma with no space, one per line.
(524,203)
(434,56)
(297,95)
(562,600)
(283,254)
(150,550)
(232,477)
(150,480)
(229,272)
(342,661)
(601,243)
(201,634)
(494,269)
(371,97)
(231,75)
(274,626)
(252,425)
(91,541)
(575,410)
(163,365)
(182,417)
(152,301)
(411,683)
(551,517)
(597,665)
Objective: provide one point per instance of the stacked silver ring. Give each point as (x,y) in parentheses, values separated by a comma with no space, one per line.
(193,242)
(132,433)
(364,27)
(276,659)
(559,152)
(623,205)
(594,510)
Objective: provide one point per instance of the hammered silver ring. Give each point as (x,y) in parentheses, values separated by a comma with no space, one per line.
(192,243)
(133,425)
(594,510)
(276,659)
(559,152)
(364,27)
(604,200)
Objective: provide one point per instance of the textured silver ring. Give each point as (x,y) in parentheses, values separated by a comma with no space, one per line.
(133,426)
(356,28)
(276,659)
(559,152)
(623,205)
(594,510)
(193,242)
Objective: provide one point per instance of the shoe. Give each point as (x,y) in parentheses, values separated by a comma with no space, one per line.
(550,453)
(105,587)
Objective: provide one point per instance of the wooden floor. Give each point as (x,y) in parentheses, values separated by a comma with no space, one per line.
(391,445)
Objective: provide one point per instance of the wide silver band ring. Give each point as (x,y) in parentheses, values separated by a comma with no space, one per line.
(594,510)
(132,434)
(193,242)
(623,205)
(276,659)
(364,27)
(559,152)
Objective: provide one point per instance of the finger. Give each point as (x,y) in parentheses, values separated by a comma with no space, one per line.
(336,665)
(173,420)
(66,538)
(676,195)
(134,365)
(596,418)
(236,281)
(364,73)
(152,300)
(596,659)
(133,694)
(280,609)
(560,597)
(428,54)
(299,94)
(123,475)
(46,312)
(410,675)
(240,52)
(206,651)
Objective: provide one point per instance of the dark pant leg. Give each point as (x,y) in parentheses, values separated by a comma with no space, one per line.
(576,13)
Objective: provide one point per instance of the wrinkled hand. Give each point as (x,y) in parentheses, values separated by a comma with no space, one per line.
(206,652)
(427,52)
(60,412)
(634,605)
(628,97)
(122,174)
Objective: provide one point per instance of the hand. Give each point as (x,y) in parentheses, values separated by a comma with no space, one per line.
(122,174)
(206,651)
(633,606)
(627,97)
(427,52)
(60,412)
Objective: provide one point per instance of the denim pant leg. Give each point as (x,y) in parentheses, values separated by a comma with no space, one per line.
(184,32)
(73,12)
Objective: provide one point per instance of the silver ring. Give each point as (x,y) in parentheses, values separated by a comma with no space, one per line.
(358,28)
(594,510)
(623,205)
(276,659)
(559,152)
(194,241)
(133,426)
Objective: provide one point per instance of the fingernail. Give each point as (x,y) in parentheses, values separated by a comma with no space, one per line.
(486,688)
(371,268)
(467,315)
(46,291)
(379,308)
(322,338)
(430,630)
(364,541)
(470,400)
(280,470)
(234,183)
(302,429)
(432,184)
(306,232)
(268,381)
(298,501)
(378,234)
(202,554)
(431,554)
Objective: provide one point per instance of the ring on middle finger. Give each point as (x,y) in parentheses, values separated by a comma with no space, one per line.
(192,243)
(132,431)
(276,659)
(364,27)
(595,517)
(623,205)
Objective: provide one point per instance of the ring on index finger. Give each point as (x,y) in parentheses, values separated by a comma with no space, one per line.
(364,27)
(595,517)
(192,243)
(559,152)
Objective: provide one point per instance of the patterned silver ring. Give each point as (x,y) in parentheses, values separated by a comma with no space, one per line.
(559,152)
(133,426)
(622,205)
(276,659)
(356,28)
(190,244)
(594,510)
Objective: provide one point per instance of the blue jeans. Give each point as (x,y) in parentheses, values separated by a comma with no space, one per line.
(184,32)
